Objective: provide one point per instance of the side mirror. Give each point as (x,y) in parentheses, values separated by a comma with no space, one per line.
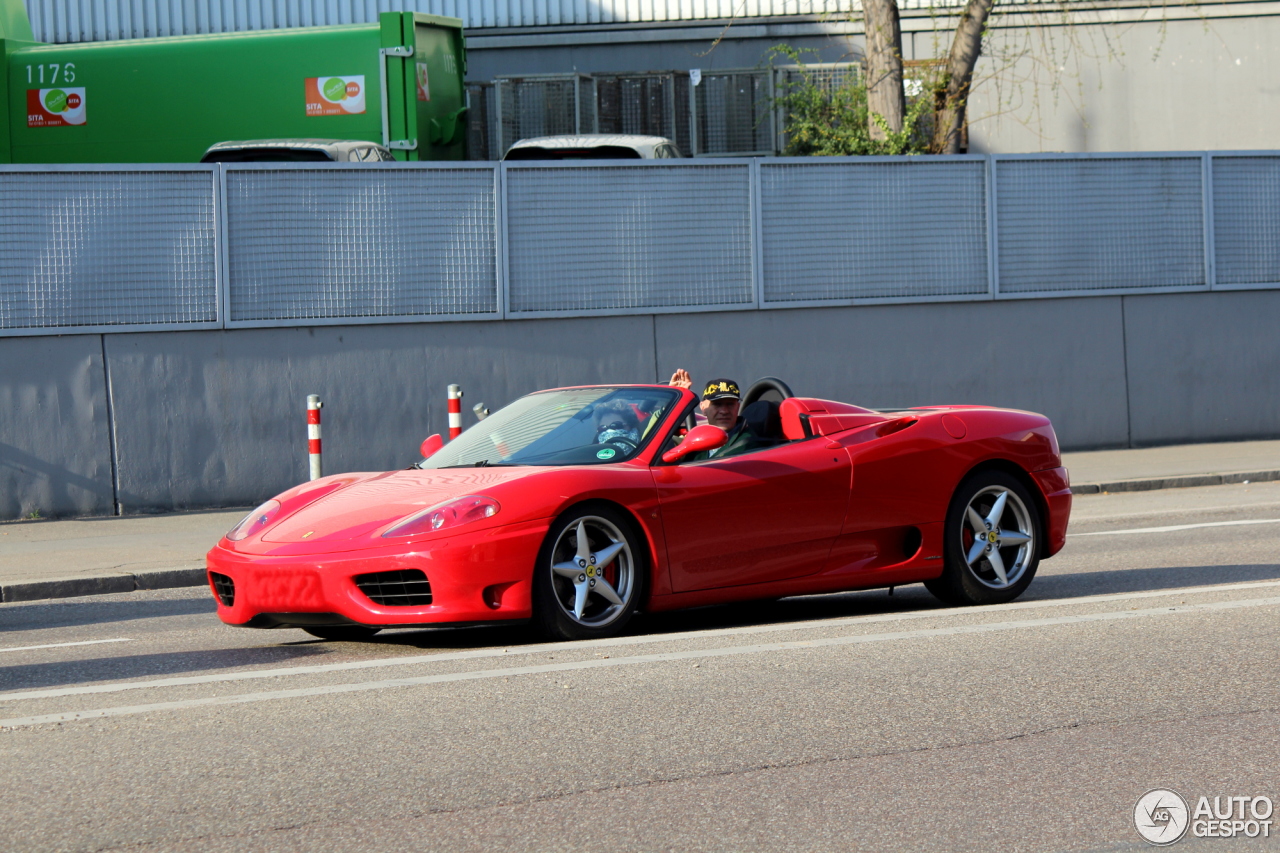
(431,445)
(705,437)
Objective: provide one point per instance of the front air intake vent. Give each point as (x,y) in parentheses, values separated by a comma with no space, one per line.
(225,588)
(402,588)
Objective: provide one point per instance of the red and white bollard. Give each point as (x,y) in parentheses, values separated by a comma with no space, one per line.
(313,434)
(455,412)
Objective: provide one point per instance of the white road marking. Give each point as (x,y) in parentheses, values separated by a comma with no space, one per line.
(1171,528)
(1079,516)
(666,657)
(614,642)
(64,645)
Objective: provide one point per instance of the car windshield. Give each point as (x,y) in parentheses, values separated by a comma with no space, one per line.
(575,426)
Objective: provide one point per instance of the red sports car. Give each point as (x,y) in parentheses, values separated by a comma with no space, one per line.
(578,507)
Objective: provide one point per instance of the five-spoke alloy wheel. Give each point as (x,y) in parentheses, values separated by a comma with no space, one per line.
(590,575)
(991,545)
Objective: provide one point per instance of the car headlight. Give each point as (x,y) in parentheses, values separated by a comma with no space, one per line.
(454,512)
(255,521)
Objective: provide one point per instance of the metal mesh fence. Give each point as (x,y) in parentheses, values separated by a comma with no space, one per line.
(100,248)
(1246,220)
(827,78)
(847,230)
(481,141)
(644,104)
(543,105)
(1099,224)
(316,244)
(734,113)
(684,117)
(628,238)
(139,247)
(587,118)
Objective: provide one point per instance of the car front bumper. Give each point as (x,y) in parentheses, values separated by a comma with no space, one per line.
(474,577)
(1055,485)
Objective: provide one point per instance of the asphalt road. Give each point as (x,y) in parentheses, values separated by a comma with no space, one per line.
(1140,658)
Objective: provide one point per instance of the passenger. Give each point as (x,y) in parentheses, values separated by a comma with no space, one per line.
(617,425)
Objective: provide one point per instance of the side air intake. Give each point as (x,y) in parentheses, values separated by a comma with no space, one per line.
(401,588)
(225,588)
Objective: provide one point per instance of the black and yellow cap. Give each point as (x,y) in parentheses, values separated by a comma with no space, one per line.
(721,389)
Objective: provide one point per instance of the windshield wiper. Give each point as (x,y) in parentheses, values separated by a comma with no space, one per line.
(483,463)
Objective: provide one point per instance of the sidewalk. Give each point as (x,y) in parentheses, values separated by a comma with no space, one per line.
(1173,467)
(85,556)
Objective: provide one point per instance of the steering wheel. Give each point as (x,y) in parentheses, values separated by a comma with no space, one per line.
(626,445)
(763,386)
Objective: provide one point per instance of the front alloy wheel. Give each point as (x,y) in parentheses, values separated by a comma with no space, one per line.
(589,575)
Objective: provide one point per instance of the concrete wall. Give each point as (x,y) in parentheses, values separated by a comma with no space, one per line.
(1182,84)
(55,449)
(217,418)
(1203,364)
(1061,357)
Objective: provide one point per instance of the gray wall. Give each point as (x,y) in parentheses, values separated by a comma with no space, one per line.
(1163,85)
(1062,357)
(216,418)
(1203,366)
(55,449)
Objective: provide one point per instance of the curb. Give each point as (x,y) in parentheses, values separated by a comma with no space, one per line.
(176,578)
(1182,482)
(101,584)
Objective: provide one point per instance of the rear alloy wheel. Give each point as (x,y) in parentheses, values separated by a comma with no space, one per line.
(590,575)
(991,544)
(342,632)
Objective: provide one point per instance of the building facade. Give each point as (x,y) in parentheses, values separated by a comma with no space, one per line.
(1074,77)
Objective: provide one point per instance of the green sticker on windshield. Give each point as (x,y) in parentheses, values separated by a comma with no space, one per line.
(606,453)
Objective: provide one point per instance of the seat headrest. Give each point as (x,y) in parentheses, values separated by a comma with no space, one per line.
(764,419)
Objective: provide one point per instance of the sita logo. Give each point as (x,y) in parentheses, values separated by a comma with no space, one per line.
(1161,816)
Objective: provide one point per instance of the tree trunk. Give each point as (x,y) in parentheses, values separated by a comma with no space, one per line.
(884,67)
(953,95)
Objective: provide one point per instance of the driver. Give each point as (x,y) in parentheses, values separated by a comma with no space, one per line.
(720,402)
(617,425)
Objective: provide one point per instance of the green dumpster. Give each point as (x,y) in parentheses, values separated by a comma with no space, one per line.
(165,100)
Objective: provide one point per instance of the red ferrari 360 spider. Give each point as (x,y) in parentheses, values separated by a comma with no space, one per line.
(577,507)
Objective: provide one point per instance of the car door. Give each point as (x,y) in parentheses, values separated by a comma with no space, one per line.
(763,516)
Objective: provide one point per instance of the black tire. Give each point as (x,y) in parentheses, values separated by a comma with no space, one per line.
(624,574)
(342,632)
(970,575)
